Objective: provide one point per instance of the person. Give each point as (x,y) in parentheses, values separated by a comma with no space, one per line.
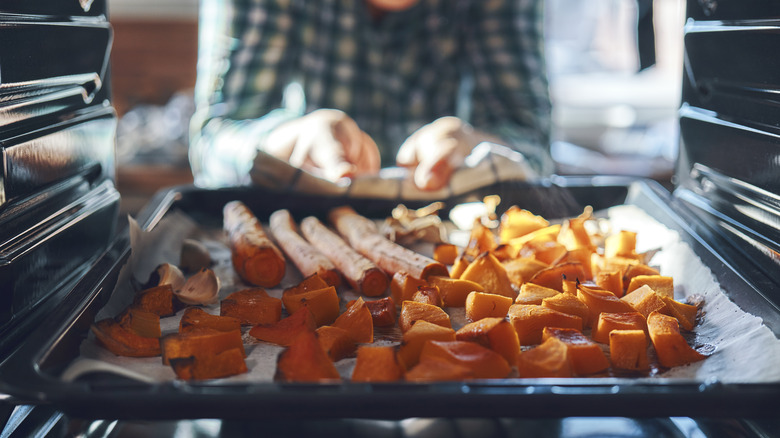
(341,88)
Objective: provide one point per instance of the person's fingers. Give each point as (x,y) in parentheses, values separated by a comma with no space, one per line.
(434,172)
(367,160)
(407,153)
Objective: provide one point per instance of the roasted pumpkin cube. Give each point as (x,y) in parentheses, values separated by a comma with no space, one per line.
(383,312)
(583,256)
(436,369)
(310,283)
(158,300)
(483,362)
(670,346)
(517,222)
(574,235)
(357,320)
(628,349)
(224,364)
(122,342)
(549,359)
(481,240)
(196,317)
(523,269)
(546,234)
(530,320)
(460,265)
(252,306)
(607,322)
(454,290)
(377,364)
(569,304)
(336,342)
(621,244)
(636,269)
(412,311)
(585,356)
(553,276)
(142,323)
(429,295)
(199,342)
(611,281)
(600,300)
(322,303)
(645,300)
(403,286)
(305,361)
(497,334)
(547,249)
(415,337)
(685,313)
(662,285)
(285,330)
(534,294)
(487,271)
(445,253)
(484,305)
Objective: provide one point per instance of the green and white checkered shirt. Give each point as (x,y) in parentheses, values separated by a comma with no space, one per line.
(263,62)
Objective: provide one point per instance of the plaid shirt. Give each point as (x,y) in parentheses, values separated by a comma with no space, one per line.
(263,62)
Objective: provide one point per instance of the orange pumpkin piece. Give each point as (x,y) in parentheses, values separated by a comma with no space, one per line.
(549,359)
(415,337)
(322,303)
(530,320)
(142,323)
(600,300)
(634,270)
(662,285)
(628,349)
(553,276)
(534,238)
(310,283)
(585,356)
(336,342)
(403,286)
(383,312)
(436,369)
(122,342)
(484,305)
(685,313)
(645,300)
(412,311)
(487,271)
(611,281)
(445,253)
(195,317)
(227,363)
(517,222)
(583,256)
(460,265)
(621,244)
(570,304)
(252,306)
(534,294)
(523,269)
(199,342)
(454,291)
(608,322)
(546,249)
(483,362)
(429,295)
(670,346)
(481,240)
(574,235)
(305,361)
(285,330)
(497,334)
(504,252)
(157,300)
(357,320)
(377,364)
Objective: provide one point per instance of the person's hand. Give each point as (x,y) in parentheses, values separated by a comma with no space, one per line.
(437,149)
(326,143)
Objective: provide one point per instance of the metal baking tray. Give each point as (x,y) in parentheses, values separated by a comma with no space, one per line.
(31,375)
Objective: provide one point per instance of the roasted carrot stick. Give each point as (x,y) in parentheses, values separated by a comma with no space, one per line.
(307,258)
(363,235)
(363,274)
(255,257)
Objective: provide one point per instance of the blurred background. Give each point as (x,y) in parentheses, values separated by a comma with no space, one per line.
(614,66)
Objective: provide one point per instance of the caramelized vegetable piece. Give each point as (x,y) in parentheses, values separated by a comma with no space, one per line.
(569,304)
(227,363)
(487,271)
(322,303)
(195,317)
(429,295)
(412,311)
(628,349)
(376,364)
(622,244)
(122,342)
(662,285)
(516,222)
(201,342)
(497,334)
(310,283)
(599,301)
(445,253)
(284,332)
(645,300)
(670,347)
(403,286)
(544,248)
(530,320)
(637,269)
(454,291)
(523,269)
(574,235)
(436,369)
(415,337)
(146,324)
(357,321)
(255,258)
(483,362)
(549,359)
(252,306)
(685,313)
(305,361)
(336,342)
(585,356)
(157,300)
(534,294)
(553,276)
(607,322)
(611,281)
(484,305)
(383,312)
(481,240)
(460,265)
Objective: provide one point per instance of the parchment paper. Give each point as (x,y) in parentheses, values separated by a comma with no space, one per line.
(743,349)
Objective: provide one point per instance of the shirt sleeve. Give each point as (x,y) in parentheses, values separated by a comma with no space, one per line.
(245,58)
(510,97)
